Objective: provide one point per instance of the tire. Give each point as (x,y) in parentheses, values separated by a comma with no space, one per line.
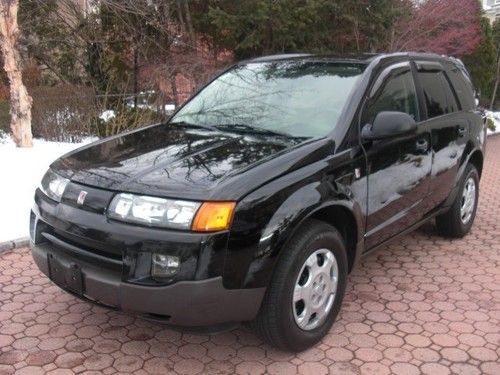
(276,322)
(456,223)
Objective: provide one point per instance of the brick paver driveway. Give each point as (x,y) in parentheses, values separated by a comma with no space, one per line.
(421,305)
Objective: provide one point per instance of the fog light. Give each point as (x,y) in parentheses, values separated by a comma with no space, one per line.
(164,266)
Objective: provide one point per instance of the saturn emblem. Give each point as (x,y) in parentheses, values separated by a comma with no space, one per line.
(81,197)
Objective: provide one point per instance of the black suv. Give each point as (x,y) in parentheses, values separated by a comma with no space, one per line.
(258,196)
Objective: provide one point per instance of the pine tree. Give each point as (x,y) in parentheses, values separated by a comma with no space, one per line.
(482,61)
(496,41)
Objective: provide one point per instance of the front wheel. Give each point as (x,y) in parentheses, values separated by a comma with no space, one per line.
(307,289)
(458,220)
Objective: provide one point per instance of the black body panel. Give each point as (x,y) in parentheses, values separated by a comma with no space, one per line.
(171,161)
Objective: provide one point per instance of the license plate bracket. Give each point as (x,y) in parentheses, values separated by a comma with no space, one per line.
(68,276)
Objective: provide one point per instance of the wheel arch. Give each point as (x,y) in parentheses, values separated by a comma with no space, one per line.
(345,216)
(342,219)
(474,157)
(477,159)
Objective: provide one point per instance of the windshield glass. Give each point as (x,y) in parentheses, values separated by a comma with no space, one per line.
(295,98)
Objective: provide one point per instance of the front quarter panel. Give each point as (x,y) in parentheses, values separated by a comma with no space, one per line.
(265,219)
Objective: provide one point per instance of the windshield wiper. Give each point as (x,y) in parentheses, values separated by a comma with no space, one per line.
(190,125)
(251,129)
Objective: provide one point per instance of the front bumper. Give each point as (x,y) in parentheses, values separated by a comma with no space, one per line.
(109,262)
(185,303)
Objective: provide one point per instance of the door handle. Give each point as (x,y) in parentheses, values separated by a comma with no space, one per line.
(422,145)
(462,130)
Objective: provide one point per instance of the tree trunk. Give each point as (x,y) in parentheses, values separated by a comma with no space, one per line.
(181,15)
(497,78)
(136,73)
(20,101)
(495,88)
(175,93)
(189,24)
(356,34)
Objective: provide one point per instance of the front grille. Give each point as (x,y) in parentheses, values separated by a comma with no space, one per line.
(88,244)
(86,255)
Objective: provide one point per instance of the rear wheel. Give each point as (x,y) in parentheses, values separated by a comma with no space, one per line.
(307,289)
(458,220)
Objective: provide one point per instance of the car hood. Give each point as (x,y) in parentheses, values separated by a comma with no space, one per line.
(171,161)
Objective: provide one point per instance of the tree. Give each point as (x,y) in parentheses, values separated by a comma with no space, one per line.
(259,27)
(20,101)
(53,34)
(496,41)
(482,61)
(441,26)
(144,42)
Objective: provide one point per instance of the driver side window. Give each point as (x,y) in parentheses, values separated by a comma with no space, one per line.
(397,93)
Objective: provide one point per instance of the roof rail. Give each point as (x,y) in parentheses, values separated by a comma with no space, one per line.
(279,56)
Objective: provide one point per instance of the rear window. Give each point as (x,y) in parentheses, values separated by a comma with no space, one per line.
(439,98)
(463,87)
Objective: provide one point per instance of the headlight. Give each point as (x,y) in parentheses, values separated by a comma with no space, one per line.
(167,213)
(53,185)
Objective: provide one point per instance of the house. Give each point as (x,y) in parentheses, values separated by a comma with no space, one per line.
(492,9)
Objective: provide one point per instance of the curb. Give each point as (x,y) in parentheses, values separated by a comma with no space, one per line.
(14,244)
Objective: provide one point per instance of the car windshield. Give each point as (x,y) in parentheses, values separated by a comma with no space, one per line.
(290,98)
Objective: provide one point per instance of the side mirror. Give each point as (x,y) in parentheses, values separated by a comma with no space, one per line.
(389,124)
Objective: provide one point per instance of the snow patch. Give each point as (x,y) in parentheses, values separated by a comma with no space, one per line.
(495,116)
(21,170)
(107,115)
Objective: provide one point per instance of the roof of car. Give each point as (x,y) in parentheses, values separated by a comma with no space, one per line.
(361,57)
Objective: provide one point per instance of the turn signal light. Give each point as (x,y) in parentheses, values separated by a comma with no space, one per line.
(213,216)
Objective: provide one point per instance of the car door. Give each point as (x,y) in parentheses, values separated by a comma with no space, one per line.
(398,167)
(448,125)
